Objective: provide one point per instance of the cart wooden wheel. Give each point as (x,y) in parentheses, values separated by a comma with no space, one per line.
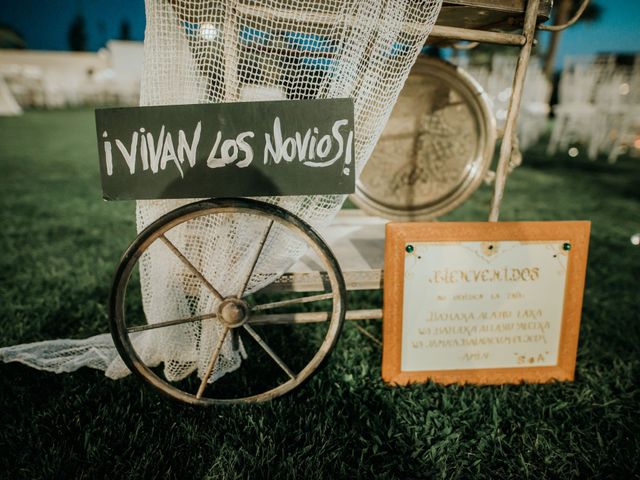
(241,320)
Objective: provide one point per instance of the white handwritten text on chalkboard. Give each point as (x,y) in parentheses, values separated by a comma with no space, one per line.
(155,152)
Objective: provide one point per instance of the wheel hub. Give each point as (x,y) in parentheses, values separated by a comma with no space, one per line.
(233,312)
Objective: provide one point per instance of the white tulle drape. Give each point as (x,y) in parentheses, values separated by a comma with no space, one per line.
(239,50)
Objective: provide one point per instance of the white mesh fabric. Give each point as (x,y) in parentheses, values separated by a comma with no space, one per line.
(237,50)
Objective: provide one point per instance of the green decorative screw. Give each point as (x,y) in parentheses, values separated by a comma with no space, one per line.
(566,246)
(409,248)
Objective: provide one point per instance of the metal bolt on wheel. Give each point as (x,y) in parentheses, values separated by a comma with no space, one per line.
(236,315)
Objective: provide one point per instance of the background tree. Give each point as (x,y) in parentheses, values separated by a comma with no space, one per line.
(10,38)
(565,9)
(78,34)
(125,30)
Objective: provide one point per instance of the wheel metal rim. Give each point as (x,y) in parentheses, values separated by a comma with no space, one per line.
(479,104)
(117,315)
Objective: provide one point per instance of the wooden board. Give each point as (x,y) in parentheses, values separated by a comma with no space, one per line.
(500,15)
(466,311)
(357,241)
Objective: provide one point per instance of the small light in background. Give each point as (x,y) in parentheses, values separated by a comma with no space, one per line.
(573,152)
(504,95)
(636,143)
(208,31)
(635,239)
(624,89)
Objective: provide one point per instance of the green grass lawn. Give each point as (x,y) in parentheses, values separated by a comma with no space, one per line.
(60,243)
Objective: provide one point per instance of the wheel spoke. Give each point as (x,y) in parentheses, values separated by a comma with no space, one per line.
(170,323)
(191,267)
(212,362)
(368,335)
(255,260)
(267,349)
(293,301)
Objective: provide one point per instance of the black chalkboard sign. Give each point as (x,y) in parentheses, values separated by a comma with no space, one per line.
(297,147)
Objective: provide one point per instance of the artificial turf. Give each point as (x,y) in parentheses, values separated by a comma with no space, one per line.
(60,243)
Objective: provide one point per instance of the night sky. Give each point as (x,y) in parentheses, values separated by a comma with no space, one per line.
(44,24)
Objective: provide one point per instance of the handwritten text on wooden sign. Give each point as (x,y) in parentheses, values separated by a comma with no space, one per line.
(483,305)
(483,302)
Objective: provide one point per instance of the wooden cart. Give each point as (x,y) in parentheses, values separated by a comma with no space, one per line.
(320,278)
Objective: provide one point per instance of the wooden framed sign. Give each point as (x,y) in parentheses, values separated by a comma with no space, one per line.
(485,303)
(293,147)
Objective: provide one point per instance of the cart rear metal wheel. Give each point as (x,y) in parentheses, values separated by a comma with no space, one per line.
(238,316)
